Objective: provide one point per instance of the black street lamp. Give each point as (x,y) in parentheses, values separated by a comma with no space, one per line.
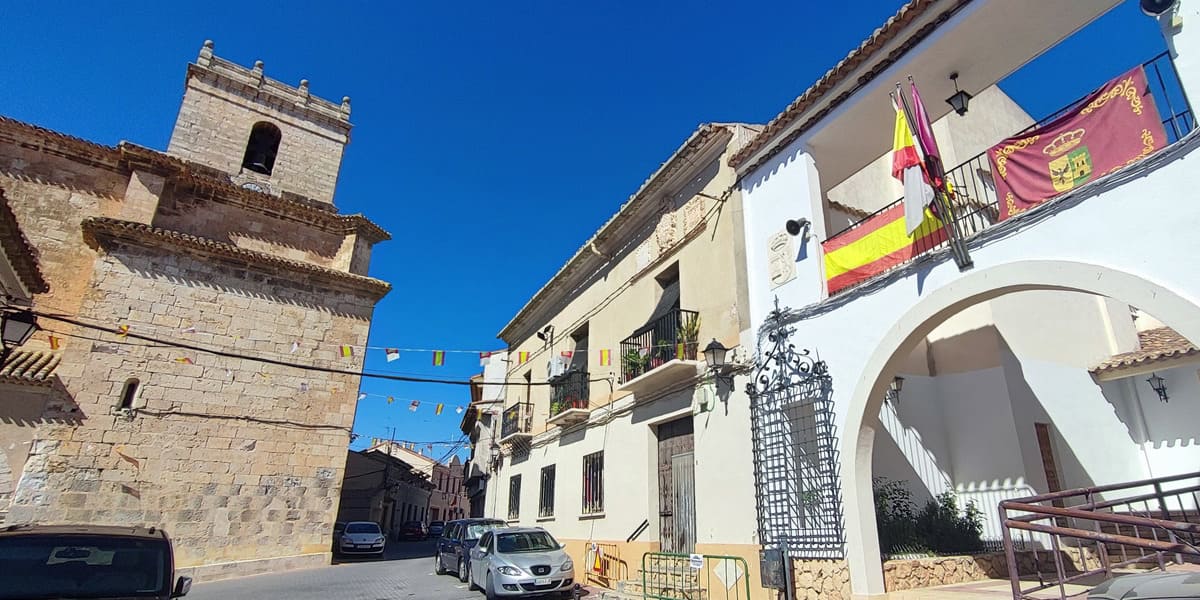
(714,355)
(1159,385)
(960,99)
(15,329)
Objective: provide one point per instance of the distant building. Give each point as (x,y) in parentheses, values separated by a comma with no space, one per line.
(382,489)
(480,425)
(229,241)
(448,500)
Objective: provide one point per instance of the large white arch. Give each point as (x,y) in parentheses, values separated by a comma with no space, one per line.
(1157,298)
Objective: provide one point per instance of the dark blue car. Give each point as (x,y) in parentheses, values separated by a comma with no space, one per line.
(453,551)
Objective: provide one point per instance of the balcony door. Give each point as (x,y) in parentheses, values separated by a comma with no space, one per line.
(676,486)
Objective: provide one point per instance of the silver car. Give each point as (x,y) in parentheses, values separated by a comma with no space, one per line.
(361,537)
(521,561)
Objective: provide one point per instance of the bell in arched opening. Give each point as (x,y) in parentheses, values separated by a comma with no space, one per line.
(262,148)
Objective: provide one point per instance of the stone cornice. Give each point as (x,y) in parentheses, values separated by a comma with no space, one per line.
(145,235)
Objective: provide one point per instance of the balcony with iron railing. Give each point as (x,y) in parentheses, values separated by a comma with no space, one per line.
(661,352)
(517,422)
(569,394)
(973,202)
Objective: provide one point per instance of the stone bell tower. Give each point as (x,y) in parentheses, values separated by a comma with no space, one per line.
(266,135)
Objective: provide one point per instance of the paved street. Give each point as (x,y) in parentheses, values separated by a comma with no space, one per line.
(405,572)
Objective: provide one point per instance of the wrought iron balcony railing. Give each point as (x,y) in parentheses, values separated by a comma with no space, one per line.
(568,391)
(975,206)
(517,420)
(669,337)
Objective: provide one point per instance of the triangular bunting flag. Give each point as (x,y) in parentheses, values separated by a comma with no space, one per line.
(191,329)
(439,358)
(303,386)
(54,343)
(391,354)
(413,406)
(438,410)
(124,329)
(459,410)
(391,399)
(183,359)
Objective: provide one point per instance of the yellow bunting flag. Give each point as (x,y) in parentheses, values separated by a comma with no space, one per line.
(347,351)
(390,399)
(54,343)
(183,359)
(124,329)
(605,358)
(438,410)
(439,358)
(522,358)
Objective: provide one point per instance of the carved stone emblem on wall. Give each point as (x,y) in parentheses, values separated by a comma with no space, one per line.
(665,234)
(781,259)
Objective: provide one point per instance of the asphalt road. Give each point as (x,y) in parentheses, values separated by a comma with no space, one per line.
(405,572)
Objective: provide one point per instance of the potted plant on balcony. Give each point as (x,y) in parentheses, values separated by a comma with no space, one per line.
(689,335)
(633,363)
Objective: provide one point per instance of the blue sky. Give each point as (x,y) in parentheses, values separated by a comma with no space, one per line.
(491,139)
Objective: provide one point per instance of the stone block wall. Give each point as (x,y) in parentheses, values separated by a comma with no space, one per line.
(916,573)
(821,579)
(231,457)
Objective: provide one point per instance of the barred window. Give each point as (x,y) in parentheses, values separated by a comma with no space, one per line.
(593,483)
(514,497)
(546,495)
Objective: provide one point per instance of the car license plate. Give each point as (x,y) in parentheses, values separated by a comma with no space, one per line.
(541,581)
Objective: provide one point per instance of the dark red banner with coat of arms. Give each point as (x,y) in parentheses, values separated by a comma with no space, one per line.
(1116,126)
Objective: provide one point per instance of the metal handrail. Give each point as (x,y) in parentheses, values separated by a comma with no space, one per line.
(1101,523)
(569,390)
(517,418)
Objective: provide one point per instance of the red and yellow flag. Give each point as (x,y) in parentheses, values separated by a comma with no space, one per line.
(605,358)
(876,245)
(54,343)
(438,410)
(439,358)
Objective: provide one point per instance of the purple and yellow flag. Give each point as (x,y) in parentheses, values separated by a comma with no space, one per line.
(1116,126)
(522,358)
(439,358)
(347,351)
(606,358)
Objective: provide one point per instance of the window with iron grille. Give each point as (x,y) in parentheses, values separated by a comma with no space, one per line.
(514,497)
(546,494)
(593,483)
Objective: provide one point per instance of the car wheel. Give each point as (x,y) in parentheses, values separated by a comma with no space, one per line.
(489,591)
(437,564)
(470,579)
(464,571)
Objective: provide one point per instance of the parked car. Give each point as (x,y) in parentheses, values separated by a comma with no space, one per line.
(517,562)
(1148,586)
(436,528)
(413,530)
(87,561)
(454,546)
(362,537)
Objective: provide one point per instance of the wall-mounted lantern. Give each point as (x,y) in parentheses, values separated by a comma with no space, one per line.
(1159,385)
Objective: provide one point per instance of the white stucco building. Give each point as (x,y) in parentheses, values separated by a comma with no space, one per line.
(1022,374)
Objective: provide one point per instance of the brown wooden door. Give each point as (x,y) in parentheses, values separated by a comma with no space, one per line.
(676,520)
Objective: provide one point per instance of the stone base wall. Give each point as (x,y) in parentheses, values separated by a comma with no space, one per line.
(821,579)
(907,574)
(242,568)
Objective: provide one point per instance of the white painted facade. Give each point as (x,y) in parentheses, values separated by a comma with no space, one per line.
(988,352)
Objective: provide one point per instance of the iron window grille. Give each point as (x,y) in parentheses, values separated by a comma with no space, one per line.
(514,497)
(546,495)
(593,483)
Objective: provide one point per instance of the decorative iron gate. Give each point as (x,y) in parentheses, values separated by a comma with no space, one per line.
(795,450)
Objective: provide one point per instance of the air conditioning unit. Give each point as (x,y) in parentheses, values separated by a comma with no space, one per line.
(556,366)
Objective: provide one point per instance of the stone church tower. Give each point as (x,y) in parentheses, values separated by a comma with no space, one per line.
(168,277)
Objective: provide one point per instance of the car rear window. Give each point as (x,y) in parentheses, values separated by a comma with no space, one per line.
(83,567)
(362,528)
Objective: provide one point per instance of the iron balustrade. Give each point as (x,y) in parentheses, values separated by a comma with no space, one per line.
(1151,520)
(662,340)
(518,418)
(569,390)
(974,204)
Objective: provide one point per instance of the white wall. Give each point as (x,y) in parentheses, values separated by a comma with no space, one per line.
(1170,439)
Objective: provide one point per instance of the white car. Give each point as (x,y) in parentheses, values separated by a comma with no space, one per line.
(361,537)
(518,562)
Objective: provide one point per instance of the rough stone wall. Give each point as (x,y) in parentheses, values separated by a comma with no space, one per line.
(230,456)
(821,579)
(943,570)
(250,229)
(214,125)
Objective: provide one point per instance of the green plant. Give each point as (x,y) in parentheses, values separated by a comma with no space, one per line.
(633,361)
(689,329)
(938,528)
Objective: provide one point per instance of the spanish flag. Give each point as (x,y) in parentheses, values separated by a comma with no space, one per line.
(876,245)
(522,358)
(908,167)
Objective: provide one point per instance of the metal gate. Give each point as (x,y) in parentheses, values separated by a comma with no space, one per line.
(798,496)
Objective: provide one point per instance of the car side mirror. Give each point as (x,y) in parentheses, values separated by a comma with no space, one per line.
(182,587)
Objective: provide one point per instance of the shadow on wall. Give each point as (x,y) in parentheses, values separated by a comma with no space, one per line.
(54,406)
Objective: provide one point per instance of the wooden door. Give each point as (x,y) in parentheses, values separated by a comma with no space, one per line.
(676,520)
